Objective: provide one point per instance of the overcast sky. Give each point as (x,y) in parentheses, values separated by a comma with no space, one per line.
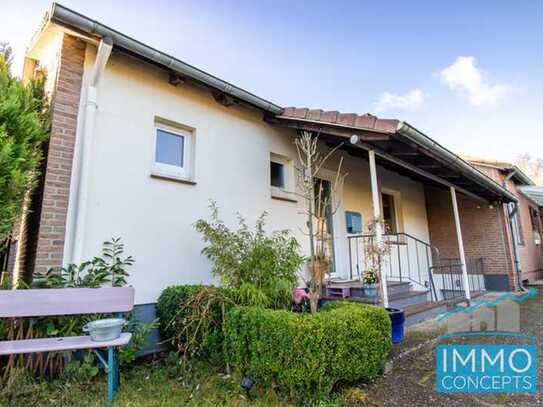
(468,74)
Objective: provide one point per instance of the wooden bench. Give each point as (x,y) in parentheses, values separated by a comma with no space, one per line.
(68,301)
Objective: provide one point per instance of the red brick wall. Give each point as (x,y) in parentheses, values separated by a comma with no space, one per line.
(531,255)
(484,230)
(64,108)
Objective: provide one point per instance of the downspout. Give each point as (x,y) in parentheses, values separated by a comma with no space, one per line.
(82,173)
(512,209)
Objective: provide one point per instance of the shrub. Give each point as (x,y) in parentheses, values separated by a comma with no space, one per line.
(23,128)
(170,308)
(306,355)
(191,319)
(108,269)
(268,261)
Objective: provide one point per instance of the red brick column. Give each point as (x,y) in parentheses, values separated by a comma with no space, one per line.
(485,231)
(64,108)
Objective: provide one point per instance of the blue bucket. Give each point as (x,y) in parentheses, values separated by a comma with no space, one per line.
(397,318)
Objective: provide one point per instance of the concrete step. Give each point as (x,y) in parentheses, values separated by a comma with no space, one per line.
(398,300)
(398,287)
(421,312)
(410,298)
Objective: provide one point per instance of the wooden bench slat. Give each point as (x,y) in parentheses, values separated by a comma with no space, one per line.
(59,344)
(65,301)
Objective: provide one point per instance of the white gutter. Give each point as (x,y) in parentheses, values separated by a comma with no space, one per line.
(419,138)
(82,163)
(63,15)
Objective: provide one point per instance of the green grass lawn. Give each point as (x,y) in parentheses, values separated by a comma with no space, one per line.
(149,383)
(162,382)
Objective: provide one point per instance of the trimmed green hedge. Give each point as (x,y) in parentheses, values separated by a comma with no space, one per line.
(306,355)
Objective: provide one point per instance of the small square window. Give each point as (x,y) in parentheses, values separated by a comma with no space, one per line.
(173,152)
(169,148)
(281,178)
(277,171)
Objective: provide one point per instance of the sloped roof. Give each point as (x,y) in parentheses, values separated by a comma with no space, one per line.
(64,16)
(535,193)
(506,167)
(351,120)
(401,147)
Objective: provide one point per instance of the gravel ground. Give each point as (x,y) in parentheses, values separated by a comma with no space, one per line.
(411,381)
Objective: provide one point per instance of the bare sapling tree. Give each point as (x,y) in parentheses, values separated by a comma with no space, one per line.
(321,202)
(375,255)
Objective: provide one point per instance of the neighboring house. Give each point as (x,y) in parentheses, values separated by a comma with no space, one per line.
(141,141)
(526,226)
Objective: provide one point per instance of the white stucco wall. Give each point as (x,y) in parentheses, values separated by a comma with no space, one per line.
(155,217)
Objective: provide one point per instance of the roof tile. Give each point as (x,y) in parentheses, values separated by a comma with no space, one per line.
(300,113)
(347,119)
(329,116)
(314,114)
(364,121)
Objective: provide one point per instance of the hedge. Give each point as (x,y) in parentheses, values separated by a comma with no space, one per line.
(169,308)
(306,355)
(173,315)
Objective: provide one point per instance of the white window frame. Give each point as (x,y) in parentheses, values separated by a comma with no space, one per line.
(162,170)
(286,193)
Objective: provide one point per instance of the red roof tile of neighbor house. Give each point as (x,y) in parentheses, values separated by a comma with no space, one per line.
(363,122)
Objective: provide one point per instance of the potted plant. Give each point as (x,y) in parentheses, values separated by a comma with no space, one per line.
(370,283)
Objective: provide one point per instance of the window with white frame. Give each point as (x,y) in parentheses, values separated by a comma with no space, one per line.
(173,154)
(281,177)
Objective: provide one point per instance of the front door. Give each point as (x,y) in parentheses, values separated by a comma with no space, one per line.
(324,201)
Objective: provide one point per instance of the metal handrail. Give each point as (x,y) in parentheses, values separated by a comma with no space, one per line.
(423,270)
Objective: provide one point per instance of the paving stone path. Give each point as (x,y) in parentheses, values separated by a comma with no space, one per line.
(411,381)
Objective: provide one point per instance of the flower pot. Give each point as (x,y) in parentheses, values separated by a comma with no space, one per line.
(370,290)
(397,319)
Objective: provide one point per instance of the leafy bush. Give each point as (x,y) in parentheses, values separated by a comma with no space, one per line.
(306,355)
(191,319)
(81,371)
(170,309)
(110,268)
(242,256)
(3,330)
(140,333)
(107,269)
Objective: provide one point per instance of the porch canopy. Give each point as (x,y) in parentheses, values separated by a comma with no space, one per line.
(398,147)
